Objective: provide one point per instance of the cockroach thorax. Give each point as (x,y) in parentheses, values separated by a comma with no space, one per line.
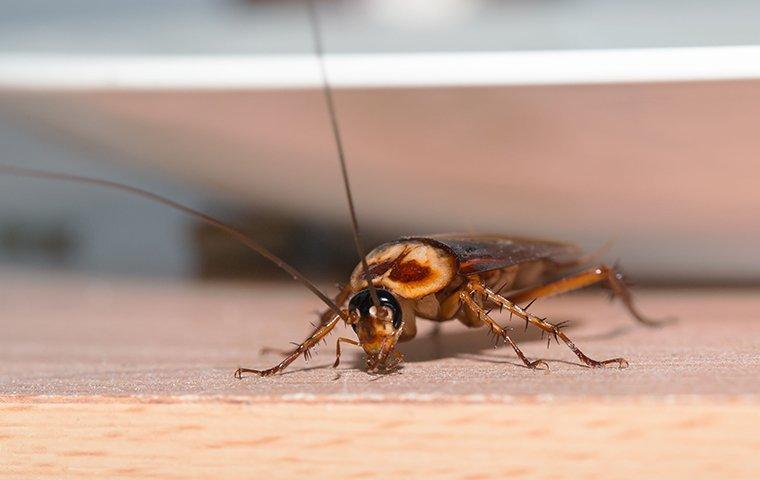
(408,268)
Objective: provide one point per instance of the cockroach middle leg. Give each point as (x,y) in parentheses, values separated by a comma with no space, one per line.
(337,348)
(474,286)
(601,273)
(500,331)
(301,349)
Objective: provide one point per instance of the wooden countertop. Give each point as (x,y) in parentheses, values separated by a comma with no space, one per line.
(133,379)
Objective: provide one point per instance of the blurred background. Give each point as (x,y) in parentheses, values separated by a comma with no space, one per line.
(583,121)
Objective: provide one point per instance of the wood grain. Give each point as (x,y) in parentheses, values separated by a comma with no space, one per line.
(619,440)
(133,379)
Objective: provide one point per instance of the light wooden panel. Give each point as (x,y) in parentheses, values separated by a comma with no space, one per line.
(118,438)
(133,379)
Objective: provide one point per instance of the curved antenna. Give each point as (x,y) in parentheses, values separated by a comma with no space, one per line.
(319,52)
(233,231)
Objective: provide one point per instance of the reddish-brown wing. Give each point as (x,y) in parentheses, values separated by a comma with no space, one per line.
(483,253)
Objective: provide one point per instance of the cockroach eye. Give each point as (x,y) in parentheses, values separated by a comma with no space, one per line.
(362,302)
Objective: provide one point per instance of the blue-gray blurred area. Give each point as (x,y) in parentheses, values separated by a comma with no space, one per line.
(360,26)
(51,224)
(61,226)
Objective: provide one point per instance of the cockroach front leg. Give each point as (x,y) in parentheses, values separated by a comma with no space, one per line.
(476,287)
(497,329)
(324,317)
(602,273)
(337,348)
(301,349)
(340,299)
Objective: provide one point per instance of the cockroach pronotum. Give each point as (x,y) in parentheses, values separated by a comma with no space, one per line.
(435,277)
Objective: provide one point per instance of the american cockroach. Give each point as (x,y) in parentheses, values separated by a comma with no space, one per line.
(435,277)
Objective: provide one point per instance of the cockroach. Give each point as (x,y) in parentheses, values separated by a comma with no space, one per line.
(435,277)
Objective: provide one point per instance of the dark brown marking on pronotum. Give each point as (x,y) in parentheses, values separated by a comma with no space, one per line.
(409,271)
(435,277)
(378,269)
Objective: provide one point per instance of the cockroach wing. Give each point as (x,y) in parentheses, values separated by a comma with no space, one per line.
(483,253)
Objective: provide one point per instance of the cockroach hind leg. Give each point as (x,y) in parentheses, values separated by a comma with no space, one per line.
(611,277)
(620,289)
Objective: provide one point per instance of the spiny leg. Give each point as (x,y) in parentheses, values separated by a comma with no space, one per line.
(302,348)
(337,348)
(324,317)
(500,331)
(344,291)
(476,287)
(602,273)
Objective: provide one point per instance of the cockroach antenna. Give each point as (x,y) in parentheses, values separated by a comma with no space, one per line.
(327,90)
(464,269)
(226,227)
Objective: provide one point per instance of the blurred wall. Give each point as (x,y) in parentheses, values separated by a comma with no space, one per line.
(668,169)
(63,226)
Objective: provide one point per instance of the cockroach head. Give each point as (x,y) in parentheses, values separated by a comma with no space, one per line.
(361,306)
(378,330)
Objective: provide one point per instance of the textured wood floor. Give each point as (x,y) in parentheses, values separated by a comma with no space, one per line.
(134,379)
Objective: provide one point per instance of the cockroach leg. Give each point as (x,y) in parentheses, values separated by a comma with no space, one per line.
(611,275)
(301,349)
(475,287)
(324,318)
(500,331)
(616,282)
(340,299)
(337,348)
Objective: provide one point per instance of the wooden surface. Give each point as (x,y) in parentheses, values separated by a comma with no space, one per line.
(373,440)
(133,379)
